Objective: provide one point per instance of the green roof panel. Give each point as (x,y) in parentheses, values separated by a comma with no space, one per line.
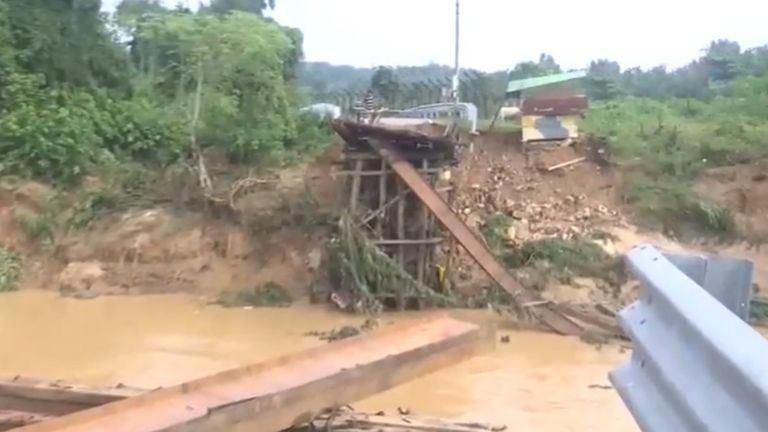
(530,83)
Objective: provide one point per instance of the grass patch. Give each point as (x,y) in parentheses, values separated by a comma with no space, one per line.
(494,230)
(10,270)
(675,209)
(552,258)
(577,256)
(665,145)
(270,294)
(39,227)
(758,311)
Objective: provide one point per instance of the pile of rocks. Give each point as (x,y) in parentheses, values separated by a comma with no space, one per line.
(556,217)
(535,215)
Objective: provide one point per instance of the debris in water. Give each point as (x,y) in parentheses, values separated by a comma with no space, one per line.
(345,332)
(347,420)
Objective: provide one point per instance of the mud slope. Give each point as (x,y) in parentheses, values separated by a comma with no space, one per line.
(277,238)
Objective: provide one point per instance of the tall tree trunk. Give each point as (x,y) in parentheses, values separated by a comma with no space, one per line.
(202,171)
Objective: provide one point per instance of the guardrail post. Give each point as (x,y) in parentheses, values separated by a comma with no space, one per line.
(727,279)
(696,366)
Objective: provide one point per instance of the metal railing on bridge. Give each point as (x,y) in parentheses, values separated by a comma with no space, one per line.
(697,365)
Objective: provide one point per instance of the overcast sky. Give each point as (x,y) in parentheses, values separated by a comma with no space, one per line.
(497,34)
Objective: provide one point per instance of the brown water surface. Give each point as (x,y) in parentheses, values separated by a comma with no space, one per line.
(536,382)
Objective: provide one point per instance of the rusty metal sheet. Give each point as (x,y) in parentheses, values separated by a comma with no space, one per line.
(574,105)
(548,128)
(287,391)
(405,170)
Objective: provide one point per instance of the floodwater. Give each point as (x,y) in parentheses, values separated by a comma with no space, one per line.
(535,382)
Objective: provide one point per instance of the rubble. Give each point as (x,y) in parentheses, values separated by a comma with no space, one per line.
(537,212)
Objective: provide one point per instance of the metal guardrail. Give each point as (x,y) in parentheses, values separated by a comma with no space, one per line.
(696,365)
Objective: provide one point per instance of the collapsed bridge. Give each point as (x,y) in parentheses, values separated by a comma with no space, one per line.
(396,194)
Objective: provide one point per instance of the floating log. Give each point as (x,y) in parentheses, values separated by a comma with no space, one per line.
(287,391)
(357,422)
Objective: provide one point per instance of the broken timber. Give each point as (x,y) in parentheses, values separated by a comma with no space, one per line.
(348,421)
(278,394)
(408,174)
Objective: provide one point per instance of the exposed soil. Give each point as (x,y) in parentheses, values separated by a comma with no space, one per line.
(495,176)
(278,238)
(744,190)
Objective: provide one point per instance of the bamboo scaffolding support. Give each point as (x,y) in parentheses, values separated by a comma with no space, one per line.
(418,242)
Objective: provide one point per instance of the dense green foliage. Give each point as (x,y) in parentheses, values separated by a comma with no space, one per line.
(664,144)
(550,258)
(10,270)
(80,90)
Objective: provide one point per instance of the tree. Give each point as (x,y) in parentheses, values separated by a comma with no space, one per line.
(603,79)
(229,72)
(251,6)
(66,41)
(386,83)
(548,64)
(129,12)
(721,56)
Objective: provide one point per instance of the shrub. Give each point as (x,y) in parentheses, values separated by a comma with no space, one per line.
(270,294)
(52,136)
(10,270)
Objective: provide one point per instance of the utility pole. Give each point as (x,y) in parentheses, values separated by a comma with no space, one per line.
(457,70)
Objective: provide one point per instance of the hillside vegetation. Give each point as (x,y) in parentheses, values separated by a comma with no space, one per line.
(81,91)
(664,127)
(152,89)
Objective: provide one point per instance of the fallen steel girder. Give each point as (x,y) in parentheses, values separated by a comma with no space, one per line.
(280,393)
(546,313)
(46,396)
(696,366)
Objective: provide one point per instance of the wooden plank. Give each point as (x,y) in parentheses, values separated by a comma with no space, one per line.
(287,391)
(382,199)
(425,241)
(355,191)
(46,398)
(474,246)
(381,172)
(566,164)
(424,226)
(400,235)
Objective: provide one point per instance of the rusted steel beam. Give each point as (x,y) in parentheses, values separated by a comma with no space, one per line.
(544,312)
(277,394)
(55,398)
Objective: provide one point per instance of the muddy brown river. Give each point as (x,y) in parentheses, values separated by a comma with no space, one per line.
(536,382)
